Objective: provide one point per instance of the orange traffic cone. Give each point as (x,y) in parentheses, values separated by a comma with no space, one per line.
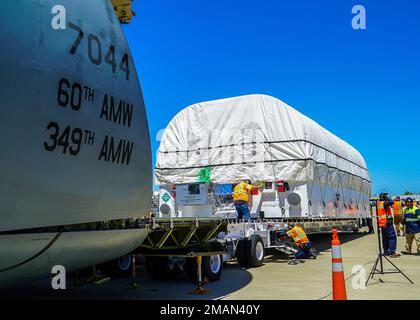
(339,284)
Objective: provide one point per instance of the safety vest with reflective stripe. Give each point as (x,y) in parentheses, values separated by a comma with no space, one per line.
(298,235)
(240,192)
(397,208)
(412,220)
(382,214)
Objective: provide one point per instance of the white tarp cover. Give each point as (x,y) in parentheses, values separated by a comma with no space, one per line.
(257,137)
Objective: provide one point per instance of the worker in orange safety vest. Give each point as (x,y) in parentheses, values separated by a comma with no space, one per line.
(398,216)
(386,223)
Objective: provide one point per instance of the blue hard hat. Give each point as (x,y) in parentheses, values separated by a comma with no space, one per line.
(409,199)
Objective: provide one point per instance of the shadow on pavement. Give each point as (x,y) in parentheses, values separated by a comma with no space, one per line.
(322,242)
(233,279)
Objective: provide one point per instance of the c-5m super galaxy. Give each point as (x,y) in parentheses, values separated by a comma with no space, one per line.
(75,159)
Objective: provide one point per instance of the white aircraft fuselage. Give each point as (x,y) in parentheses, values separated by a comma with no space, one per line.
(74,138)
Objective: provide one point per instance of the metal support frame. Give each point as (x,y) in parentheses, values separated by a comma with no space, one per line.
(189,236)
(182,232)
(164,238)
(212,231)
(192,254)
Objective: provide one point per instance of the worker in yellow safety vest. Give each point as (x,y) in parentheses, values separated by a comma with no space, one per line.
(241,199)
(412,226)
(305,248)
(398,216)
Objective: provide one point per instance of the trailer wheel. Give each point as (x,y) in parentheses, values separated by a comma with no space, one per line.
(211,267)
(162,268)
(118,267)
(241,253)
(255,251)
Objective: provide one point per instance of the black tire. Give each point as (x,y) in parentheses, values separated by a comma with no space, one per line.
(209,269)
(158,268)
(120,267)
(254,251)
(241,253)
(213,267)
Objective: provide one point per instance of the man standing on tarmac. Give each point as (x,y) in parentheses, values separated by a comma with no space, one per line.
(412,226)
(386,223)
(241,199)
(398,216)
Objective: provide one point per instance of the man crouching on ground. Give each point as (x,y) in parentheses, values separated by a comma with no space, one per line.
(305,248)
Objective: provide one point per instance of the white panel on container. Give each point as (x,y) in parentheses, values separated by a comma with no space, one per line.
(192,194)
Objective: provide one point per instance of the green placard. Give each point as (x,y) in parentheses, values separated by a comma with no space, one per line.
(204,175)
(166,197)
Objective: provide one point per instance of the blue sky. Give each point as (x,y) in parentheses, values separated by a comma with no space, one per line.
(363,85)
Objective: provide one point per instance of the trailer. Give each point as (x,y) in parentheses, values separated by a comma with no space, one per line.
(245,241)
(306,175)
